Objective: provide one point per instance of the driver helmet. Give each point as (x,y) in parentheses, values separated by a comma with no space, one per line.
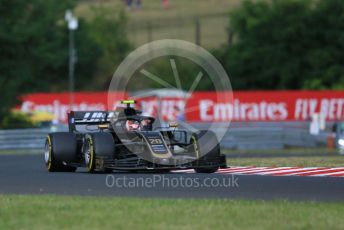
(132,125)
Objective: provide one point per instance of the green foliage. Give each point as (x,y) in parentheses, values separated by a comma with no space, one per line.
(34,43)
(19,48)
(15,120)
(34,49)
(294,44)
(109,32)
(88,52)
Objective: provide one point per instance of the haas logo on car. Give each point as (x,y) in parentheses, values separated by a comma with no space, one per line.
(97,117)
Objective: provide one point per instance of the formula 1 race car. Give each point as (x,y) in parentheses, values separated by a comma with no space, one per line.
(125,140)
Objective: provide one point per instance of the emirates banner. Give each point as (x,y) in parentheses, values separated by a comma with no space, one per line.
(203,106)
(58,104)
(269,106)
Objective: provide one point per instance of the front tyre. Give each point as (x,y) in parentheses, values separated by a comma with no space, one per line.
(203,153)
(60,148)
(98,146)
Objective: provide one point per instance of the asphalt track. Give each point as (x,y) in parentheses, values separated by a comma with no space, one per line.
(27,175)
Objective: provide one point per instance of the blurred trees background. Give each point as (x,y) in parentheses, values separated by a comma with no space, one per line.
(108,31)
(277,44)
(34,49)
(287,44)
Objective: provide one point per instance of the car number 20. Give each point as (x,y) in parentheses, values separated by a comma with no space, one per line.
(155,141)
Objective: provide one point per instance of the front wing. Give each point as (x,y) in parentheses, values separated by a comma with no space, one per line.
(176,162)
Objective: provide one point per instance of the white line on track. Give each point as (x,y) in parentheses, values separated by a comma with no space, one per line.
(278,171)
(285,171)
(315,171)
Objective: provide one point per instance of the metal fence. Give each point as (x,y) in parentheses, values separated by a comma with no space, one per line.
(253,135)
(23,138)
(270,135)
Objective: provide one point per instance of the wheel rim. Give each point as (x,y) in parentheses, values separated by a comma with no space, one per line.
(195,147)
(87,154)
(47,153)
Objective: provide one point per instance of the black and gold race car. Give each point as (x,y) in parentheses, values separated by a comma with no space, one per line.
(126,140)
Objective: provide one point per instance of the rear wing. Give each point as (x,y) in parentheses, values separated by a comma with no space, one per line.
(89,118)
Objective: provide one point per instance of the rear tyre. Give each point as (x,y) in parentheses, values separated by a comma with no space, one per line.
(98,146)
(204,153)
(60,149)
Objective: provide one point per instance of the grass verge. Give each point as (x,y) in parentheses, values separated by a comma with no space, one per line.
(60,212)
(21,152)
(323,161)
(294,151)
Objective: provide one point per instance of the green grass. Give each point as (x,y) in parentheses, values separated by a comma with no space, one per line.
(176,22)
(62,212)
(323,161)
(20,152)
(272,152)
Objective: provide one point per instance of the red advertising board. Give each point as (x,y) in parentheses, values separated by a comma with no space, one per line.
(269,106)
(59,103)
(205,106)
